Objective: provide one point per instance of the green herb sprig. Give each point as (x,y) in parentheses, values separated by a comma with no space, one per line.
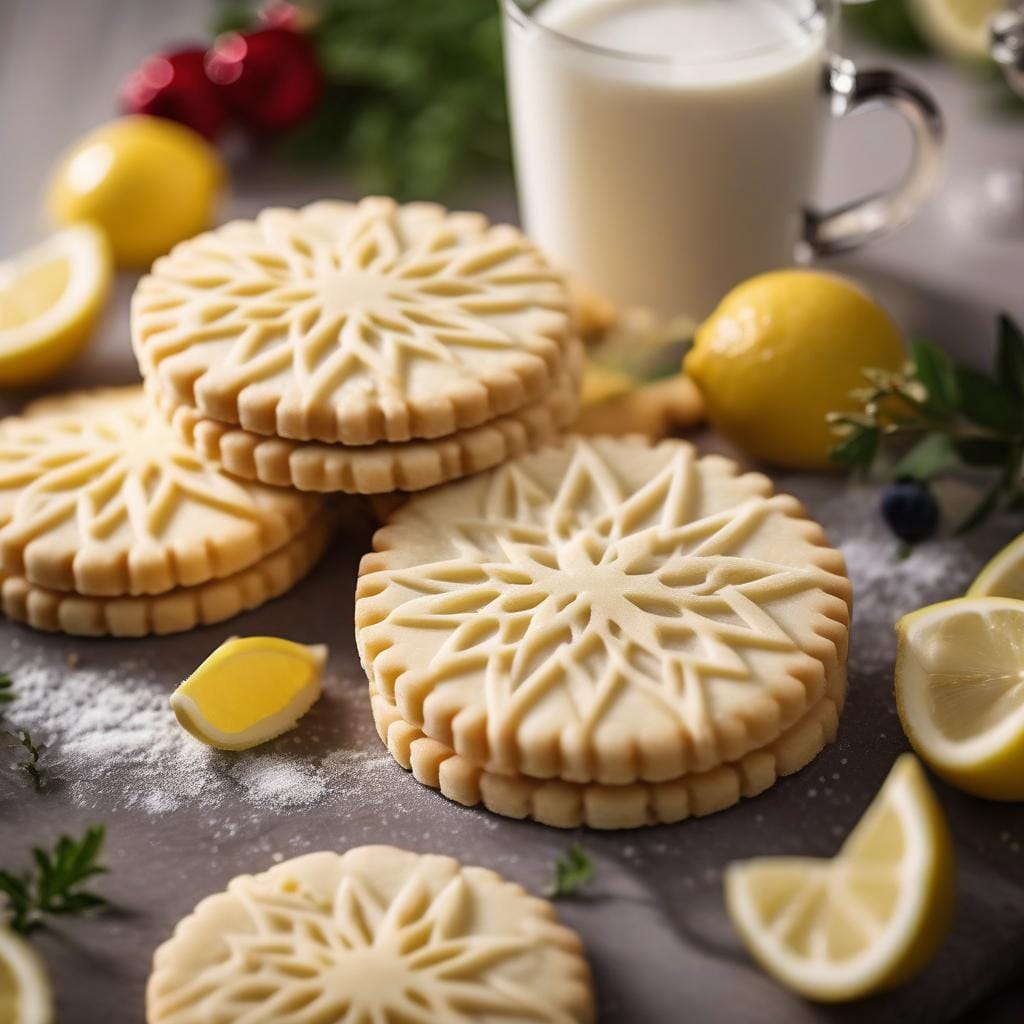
(415,100)
(939,415)
(32,764)
(573,870)
(54,885)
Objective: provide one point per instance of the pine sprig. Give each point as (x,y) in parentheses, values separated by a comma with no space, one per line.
(53,886)
(573,870)
(940,416)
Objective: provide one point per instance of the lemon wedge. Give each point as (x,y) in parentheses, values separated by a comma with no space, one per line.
(250,690)
(868,919)
(25,996)
(50,299)
(959,28)
(1004,575)
(960,692)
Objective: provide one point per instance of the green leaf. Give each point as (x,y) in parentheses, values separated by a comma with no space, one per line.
(887,23)
(935,370)
(32,766)
(986,403)
(6,690)
(54,885)
(858,450)
(573,870)
(932,455)
(1010,358)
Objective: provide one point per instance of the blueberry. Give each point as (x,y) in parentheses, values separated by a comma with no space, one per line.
(910,509)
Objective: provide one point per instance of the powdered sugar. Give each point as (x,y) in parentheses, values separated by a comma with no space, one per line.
(113,738)
(115,742)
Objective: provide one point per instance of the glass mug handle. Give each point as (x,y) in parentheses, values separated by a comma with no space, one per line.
(853,224)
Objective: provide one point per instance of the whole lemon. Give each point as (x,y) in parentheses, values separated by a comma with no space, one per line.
(783,350)
(148,183)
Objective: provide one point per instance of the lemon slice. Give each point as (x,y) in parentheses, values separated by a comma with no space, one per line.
(250,690)
(864,921)
(50,298)
(1004,575)
(25,996)
(960,692)
(959,28)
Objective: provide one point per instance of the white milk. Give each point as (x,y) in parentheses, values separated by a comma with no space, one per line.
(665,149)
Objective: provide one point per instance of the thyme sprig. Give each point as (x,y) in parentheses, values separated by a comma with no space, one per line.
(936,416)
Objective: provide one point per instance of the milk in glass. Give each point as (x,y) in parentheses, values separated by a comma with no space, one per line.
(665,148)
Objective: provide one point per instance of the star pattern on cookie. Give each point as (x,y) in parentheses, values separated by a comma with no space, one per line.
(427,952)
(108,471)
(600,598)
(372,302)
(97,485)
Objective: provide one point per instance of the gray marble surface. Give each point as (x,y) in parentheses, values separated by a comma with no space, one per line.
(653,923)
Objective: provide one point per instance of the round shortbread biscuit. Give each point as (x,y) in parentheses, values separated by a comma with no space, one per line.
(572,804)
(353,323)
(604,610)
(376,934)
(98,497)
(175,611)
(383,467)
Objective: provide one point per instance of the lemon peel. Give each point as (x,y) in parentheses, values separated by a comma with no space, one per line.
(868,919)
(960,692)
(250,690)
(50,299)
(25,994)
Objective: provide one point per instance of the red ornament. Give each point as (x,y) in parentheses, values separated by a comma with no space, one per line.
(175,86)
(281,14)
(270,78)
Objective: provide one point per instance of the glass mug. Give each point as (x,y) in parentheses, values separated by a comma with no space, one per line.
(665,149)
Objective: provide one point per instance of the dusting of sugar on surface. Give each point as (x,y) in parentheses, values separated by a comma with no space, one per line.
(115,741)
(116,744)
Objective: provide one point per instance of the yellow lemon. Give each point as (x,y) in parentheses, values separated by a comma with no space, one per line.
(960,692)
(868,919)
(780,353)
(25,996)
(147,182)
(250,690)
(958,28)
(50,299)
(1004,575)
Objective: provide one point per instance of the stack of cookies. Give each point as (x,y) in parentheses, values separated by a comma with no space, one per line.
(110,525)
(604,632)
(365,348)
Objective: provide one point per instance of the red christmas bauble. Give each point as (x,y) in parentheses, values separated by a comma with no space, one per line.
(175,85)
(270,78)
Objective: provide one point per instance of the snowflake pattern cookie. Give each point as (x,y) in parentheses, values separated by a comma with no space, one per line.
(98,497)
(376,934)
(383,467)
(603,611)
(175,611)
(353,323)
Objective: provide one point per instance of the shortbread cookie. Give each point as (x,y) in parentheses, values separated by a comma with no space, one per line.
(375,935)
(353,323)
(177,610)
(383,467)
(603,611)
(571,804)
(97,496)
